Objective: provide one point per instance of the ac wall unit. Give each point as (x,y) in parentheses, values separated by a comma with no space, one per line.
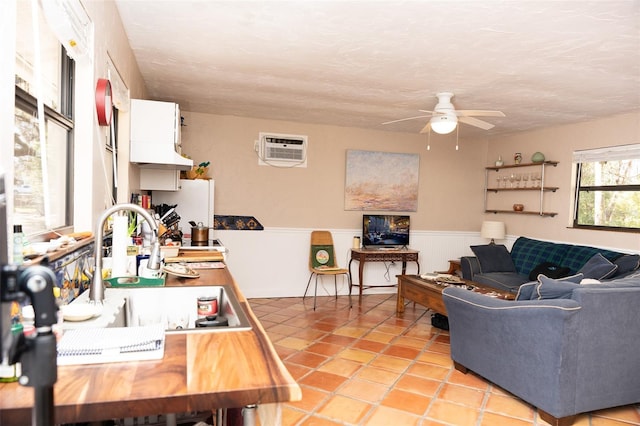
(282,150)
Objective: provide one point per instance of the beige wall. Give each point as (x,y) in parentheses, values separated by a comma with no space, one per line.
(558,144)
(92,188)
(313,197)
(451,182)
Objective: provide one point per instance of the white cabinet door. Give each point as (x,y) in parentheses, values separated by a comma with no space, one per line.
(159,179)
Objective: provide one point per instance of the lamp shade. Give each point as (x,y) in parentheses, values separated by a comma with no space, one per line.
(444,124)
(492,230)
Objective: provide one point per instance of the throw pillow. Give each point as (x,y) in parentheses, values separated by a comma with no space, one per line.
(548,288)
(550,270)
(627,263)
(598,267)
(525,291)
(493,258)
(322,256)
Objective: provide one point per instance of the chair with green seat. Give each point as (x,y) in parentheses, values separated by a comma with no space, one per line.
(322,261)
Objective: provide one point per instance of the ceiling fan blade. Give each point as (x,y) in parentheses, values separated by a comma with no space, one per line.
(479,113)
(405,119)
(426,128)
(475,122)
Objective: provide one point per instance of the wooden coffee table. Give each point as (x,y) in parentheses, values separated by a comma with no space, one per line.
(429,293)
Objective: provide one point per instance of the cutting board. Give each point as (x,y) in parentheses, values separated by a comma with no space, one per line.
(196,256)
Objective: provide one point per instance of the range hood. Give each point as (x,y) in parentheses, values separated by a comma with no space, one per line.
(164,160)
(155,136)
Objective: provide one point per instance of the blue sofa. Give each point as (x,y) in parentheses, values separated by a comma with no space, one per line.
(525,255)
(568,355)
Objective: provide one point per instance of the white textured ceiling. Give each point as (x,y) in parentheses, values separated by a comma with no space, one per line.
(361,63)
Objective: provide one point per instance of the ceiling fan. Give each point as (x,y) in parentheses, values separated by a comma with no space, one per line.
(445,118)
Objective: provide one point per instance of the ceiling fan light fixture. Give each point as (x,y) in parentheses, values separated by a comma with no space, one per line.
(444,124)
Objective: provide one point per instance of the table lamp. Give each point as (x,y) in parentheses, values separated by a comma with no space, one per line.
(493,230)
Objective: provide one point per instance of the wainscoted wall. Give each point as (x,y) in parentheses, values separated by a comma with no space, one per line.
(274,262)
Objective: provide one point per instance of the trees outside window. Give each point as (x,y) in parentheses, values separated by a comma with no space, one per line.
(608,189)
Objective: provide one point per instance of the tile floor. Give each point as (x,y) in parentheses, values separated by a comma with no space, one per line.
(366,366)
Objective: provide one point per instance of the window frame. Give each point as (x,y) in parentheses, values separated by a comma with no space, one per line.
(614,154)
(29,103)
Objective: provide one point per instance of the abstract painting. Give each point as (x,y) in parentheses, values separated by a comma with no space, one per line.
(381,181)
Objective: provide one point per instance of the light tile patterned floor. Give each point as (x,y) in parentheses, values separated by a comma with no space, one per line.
(366,366)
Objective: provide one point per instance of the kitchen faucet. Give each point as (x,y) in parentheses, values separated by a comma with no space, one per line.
(96,289)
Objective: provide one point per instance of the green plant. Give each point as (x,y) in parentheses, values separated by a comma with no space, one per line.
(133,223)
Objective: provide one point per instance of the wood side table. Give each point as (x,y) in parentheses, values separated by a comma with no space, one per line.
(455,268)
(363,256)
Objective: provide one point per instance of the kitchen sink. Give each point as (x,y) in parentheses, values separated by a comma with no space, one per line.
(175,307)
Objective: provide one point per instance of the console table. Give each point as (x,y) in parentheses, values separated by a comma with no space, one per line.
(363,255)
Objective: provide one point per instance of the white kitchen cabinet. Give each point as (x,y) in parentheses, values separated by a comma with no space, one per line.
(159,179)
(155,144)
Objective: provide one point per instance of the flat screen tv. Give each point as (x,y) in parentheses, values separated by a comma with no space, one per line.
(380,231)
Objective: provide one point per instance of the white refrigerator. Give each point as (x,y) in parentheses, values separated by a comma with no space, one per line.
(194,202)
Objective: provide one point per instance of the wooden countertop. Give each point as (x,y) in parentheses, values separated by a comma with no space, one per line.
(199,372)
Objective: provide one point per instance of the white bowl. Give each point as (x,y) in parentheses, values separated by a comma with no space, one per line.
(169,251)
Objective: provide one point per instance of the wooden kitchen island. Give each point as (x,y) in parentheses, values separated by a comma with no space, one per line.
(199,372)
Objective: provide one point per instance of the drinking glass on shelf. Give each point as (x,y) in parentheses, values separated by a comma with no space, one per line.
(504,181)
(512,178)
(498,180)
(525,180)
(536,177)
(518,179)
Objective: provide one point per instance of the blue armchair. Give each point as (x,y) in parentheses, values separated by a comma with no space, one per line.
(564,356)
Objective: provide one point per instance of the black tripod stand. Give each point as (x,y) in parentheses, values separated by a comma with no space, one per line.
(37,353)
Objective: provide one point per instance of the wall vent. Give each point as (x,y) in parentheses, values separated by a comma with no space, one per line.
(282,150)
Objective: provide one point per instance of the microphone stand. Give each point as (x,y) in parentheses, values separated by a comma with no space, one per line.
(37,353)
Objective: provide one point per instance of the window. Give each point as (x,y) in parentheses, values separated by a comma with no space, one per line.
(608,188)
(43,171)
(112,152)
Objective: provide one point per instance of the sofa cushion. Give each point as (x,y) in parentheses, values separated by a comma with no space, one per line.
(626,263)
(631,280)
(550,270)
(505,281)
(620,276)
(598,267)
(577,256)
(527,253)
(493,258)
(549,288)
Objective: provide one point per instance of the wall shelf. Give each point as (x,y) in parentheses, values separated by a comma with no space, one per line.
(511,166)
(551,214)
(541,188)
(546,188)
